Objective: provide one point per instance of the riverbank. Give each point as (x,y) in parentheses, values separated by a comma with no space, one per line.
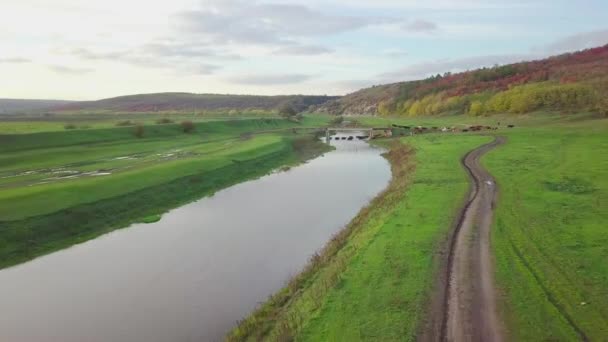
(373,279)
(39,216)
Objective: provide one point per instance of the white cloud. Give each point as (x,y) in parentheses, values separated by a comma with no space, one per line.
(15,60)
(578,41)
(421,26)
(265,80)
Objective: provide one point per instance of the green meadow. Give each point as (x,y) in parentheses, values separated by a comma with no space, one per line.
(550,236)
(63,187)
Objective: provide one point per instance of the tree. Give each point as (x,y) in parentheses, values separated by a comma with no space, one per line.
(476,108)
(603,107)
(138,131)
(287,111)
(187,126)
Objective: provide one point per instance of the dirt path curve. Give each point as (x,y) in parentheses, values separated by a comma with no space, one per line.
(471,313)
(464,307)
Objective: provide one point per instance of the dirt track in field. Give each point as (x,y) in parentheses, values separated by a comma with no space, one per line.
(464,308)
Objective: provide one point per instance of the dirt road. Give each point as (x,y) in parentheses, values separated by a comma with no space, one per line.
(464,308)
(471,313)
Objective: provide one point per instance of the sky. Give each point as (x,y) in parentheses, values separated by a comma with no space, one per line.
(87,50)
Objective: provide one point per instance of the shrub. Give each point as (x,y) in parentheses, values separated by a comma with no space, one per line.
(287,111)
(187,126)
(125,123)
(138,131)
(69,126)
(164,121)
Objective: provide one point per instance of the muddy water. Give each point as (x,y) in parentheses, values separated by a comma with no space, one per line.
(192,275)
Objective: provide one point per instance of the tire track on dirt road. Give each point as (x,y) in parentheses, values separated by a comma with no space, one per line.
(464,307)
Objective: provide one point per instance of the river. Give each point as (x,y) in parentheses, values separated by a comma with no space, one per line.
(202,267)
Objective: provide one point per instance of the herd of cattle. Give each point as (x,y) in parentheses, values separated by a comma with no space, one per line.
(351,137)
(422,129)
(404,130)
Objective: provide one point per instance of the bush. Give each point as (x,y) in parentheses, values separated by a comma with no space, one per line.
(69,126)
(337,121)
(125,123)
(138,131)
(287,111)
(164,121)
(187,126)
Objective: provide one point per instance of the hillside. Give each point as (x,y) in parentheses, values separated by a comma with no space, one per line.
(16,106)
(572,81)
(189,102)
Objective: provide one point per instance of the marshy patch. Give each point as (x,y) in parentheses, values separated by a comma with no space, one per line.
(569,185)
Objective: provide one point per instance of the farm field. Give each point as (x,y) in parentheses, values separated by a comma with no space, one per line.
(63,187)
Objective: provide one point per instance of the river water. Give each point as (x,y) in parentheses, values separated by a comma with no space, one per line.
(202,267)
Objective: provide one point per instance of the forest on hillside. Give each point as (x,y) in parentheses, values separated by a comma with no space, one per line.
(573,81)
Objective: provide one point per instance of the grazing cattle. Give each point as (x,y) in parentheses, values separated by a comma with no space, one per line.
(465,130)
(511,126)
(350,138)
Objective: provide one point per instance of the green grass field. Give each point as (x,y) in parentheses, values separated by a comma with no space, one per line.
(550,236)
(59,188)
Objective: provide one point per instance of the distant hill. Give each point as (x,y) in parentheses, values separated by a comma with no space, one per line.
(572,81)
(194,102)
(17,106)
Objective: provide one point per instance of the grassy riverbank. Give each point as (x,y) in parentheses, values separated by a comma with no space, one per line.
(372,280)
(61,188)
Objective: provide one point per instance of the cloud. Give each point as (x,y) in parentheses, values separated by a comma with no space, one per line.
(578,41)
(265,80)
(61,69)
(185,49)
(243,22)
(179,57)
(15,60)
(421,26)
(303,50)
(395,53)
(424,69)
